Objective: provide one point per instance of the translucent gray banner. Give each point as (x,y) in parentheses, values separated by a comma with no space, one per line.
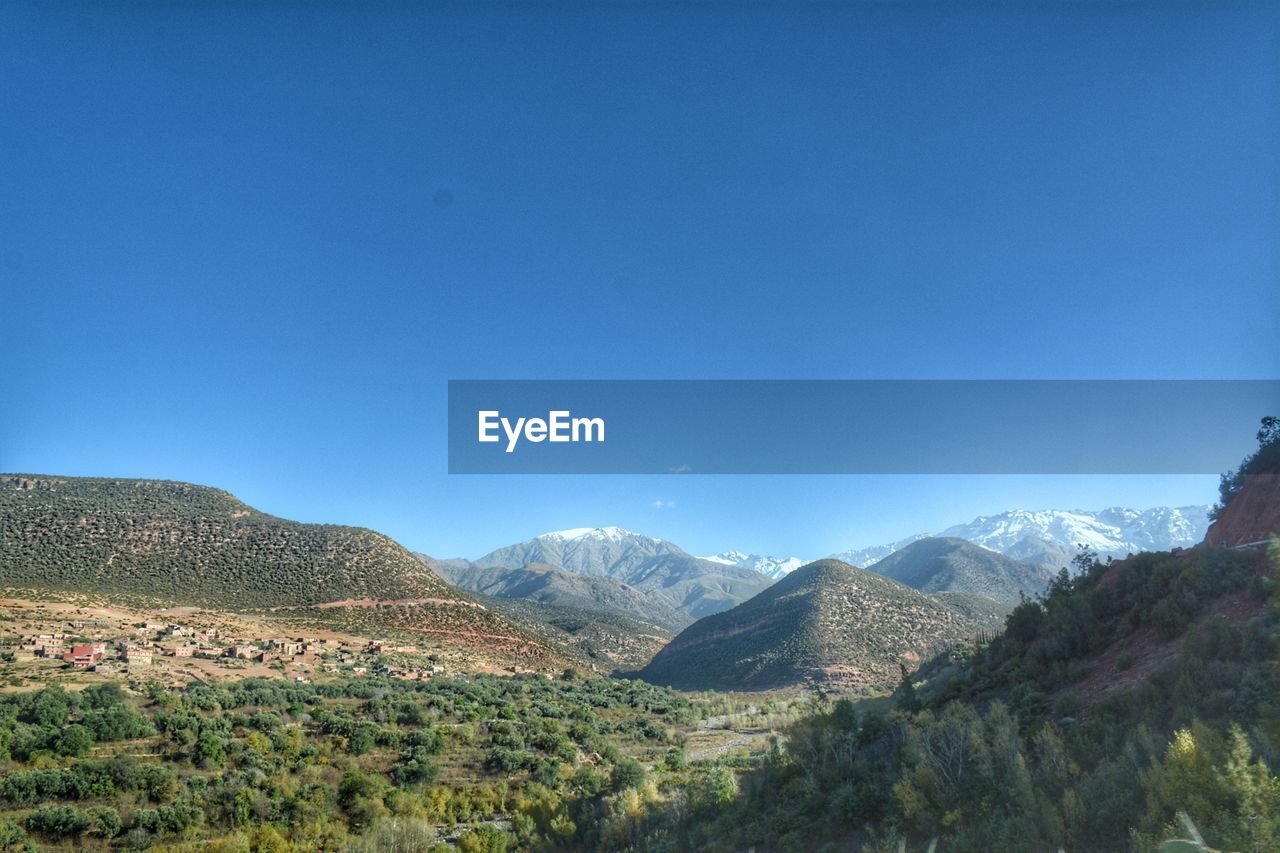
(854,427)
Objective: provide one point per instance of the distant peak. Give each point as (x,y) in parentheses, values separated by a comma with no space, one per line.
(771,567)
(729,558)
(609,534)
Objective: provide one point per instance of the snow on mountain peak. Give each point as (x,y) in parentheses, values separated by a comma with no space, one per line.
(1052,537)
(728,558)
(609,534)
(773,567)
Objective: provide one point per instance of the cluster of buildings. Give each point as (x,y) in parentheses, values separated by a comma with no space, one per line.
(97,655)
(145,644)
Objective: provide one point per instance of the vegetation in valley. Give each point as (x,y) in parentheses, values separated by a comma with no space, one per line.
(987,748)
(1130,703)
(489,763)
(1133,703)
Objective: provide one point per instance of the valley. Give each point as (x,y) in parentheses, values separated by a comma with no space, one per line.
(181,671)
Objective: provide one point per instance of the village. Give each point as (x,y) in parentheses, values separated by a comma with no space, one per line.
(79,643)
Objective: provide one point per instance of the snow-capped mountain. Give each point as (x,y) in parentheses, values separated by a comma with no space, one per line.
(605,534)
(773,567)
(1052,537)
(660,568)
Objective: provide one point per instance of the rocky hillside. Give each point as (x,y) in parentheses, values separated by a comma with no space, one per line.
(1248,508)
(1254,513)
(658,568)
(195,545)
(825,622)
(954,565)
(555,586)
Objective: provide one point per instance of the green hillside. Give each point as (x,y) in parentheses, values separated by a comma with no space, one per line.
(191,544)
(1136,703)
(826,622)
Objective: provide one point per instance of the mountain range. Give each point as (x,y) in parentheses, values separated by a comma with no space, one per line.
(1049,538)
(659,569)
(674,586)
(556,586)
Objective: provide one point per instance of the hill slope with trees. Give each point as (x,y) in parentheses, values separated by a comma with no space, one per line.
(827,622)
(191,543)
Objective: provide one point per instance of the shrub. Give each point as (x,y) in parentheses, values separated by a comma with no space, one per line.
(58,820)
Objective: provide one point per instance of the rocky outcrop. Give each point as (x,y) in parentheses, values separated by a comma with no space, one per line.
(1253,515)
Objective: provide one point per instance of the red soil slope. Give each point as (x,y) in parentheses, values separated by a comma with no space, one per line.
(1253,515)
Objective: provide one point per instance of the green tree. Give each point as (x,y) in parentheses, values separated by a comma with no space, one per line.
(846,718)
(906,699)
(484,839)
(210,749)
(58,820)
(12,835)
(106,821)
(74,741)
(1024,622)
(1256,793)
(50,708)
(360,796)
(718,788)
(628,773)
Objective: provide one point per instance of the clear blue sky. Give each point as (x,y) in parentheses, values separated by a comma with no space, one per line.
(246,244)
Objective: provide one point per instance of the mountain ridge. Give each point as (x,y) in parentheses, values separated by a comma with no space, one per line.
(659,568)
(1051,538)
(553,585)
(946,564)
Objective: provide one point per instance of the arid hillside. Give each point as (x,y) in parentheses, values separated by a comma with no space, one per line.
(194,545)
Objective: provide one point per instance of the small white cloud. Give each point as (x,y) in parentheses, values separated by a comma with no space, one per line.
(680,469)
(664,504)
